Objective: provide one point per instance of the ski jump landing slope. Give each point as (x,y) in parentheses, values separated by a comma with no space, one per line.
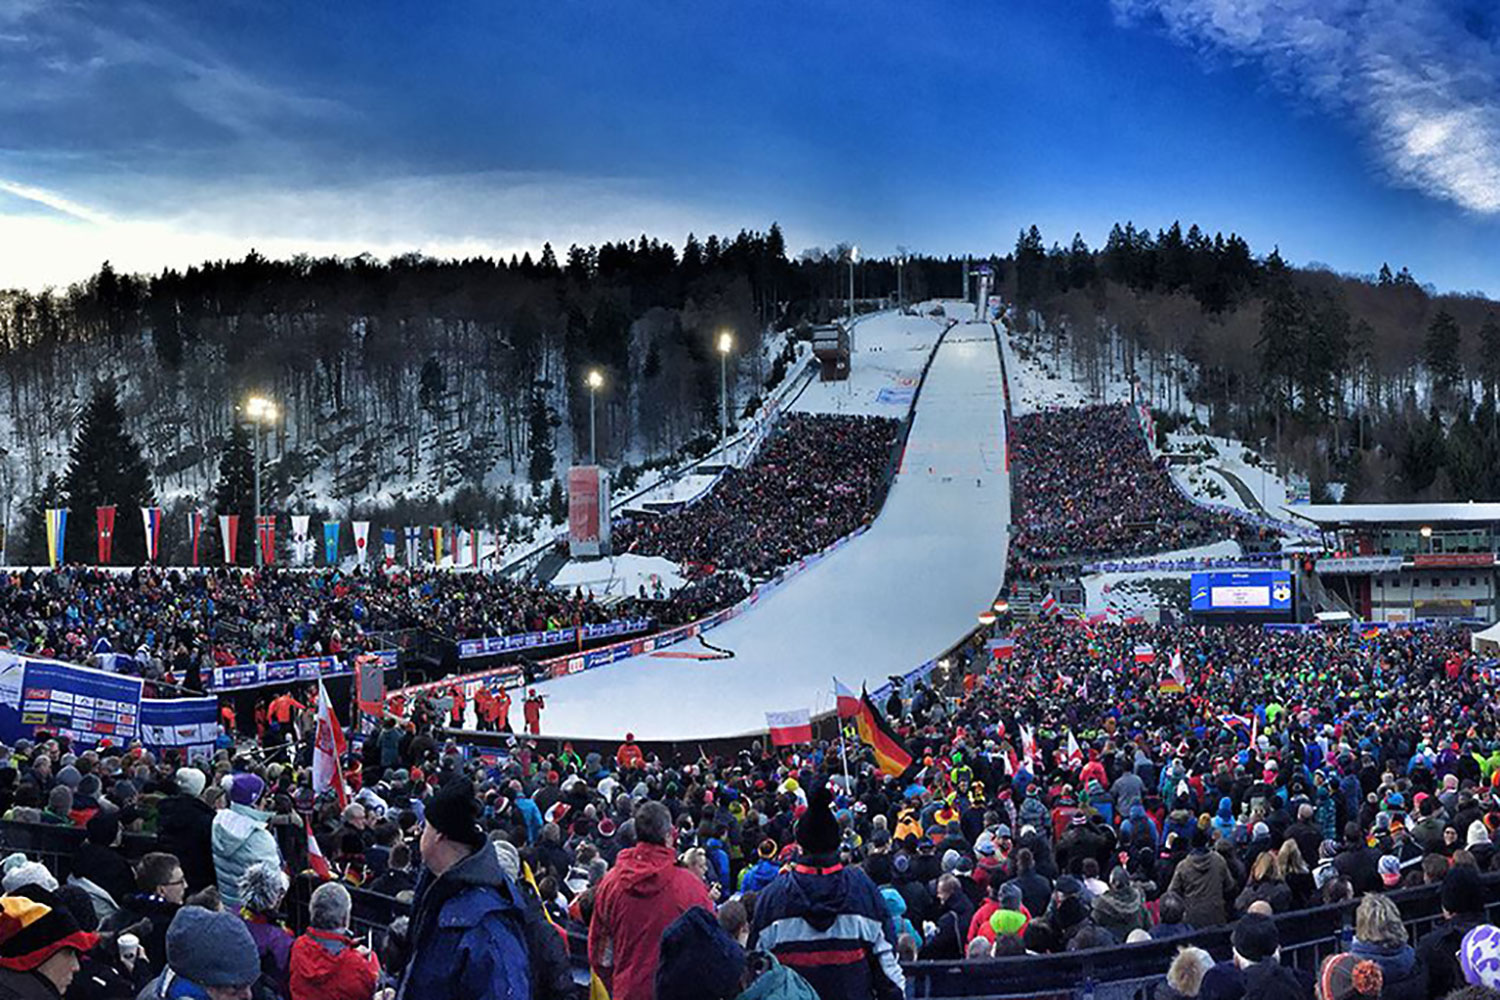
(883,604)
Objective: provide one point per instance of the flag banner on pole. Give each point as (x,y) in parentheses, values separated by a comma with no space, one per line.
(891,755)
(475,537)
(413,543)
(1028,748)
(151,520)
(1144,653)
(437,546)
(331,542)
(1176,681)
(369,684)
(105,516)
(328,751)
(1074,753)
(788,728)
(265,524)
(1002,647)
(229,534)
(388,544)
(195,531)
(57,529)
(315,859)
(1050,607)
(454,536)
(848,701)
(361,540)
(300,547)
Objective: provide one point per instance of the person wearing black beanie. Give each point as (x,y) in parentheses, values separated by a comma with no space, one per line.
(1463,910)
(827,921)
(468,933)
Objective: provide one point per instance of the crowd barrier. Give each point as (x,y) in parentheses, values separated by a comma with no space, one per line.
(1252,561)
(468,649)
(306,670)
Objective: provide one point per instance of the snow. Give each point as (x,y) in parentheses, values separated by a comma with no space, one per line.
(886,356)
(1103,593)
(1410,513)
(680,490)
(1215,456)
(885,603)
(620,576)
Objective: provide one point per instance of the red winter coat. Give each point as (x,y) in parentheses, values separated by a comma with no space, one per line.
(636,902)
(327,966)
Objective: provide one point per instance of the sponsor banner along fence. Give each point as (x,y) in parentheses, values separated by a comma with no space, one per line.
(188,725)
(242,676)
(470,648)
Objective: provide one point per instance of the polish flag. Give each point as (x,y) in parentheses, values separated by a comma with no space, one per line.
(1144,654)
(328,751)
(848,701)
(315,859)
(1074,753)
(791,727)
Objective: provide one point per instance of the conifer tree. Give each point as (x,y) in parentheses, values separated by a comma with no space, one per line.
(1441,352)
(105,467)
(235,494)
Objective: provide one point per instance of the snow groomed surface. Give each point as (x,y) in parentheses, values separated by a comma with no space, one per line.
(884,603)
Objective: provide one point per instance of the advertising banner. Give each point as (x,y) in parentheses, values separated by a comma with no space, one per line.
(490,646)
(188,725)
(84,704)
(588,511)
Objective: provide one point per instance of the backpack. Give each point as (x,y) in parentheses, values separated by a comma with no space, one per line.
(777,982)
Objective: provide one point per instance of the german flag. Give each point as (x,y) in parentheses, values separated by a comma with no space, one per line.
(890,756)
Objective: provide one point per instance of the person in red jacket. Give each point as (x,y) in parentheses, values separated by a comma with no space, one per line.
(640,897)
(533,708)
(327,964)
(629,756)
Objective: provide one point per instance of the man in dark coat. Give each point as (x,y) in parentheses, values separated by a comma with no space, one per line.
(1463,910)
(184,828)
(953,924)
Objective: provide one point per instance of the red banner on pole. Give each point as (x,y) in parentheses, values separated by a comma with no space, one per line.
(106,516)
(266,525)
(195,527)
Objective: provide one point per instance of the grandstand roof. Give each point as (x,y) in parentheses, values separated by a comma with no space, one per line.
(1330,515)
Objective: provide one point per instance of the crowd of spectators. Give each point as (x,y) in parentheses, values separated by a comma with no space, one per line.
(818,478)
(175,622)
(1059,801)
(1087,487)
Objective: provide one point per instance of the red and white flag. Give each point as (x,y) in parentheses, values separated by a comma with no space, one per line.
(1050,607)
(1144,653)
(328,751)
(791,727)
(315,859)
(848,701)
(1028,748)
(1074,753)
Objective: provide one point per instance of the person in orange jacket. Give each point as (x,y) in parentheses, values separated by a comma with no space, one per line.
(629,756)
(533,708)
(502,711)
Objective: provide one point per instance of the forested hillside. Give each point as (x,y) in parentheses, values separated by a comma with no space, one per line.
(1374,381)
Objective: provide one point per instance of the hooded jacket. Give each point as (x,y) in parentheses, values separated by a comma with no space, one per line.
(327,965)
(240,838)
(829,923)
(466,935)
(184,825)
(1202,880)
(1122,911)
(636,902)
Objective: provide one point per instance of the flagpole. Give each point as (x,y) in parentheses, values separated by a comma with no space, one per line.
(838,719)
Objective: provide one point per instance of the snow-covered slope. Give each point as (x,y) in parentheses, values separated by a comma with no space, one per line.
(885,603)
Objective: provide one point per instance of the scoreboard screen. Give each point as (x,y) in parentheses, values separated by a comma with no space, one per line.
(1250,590)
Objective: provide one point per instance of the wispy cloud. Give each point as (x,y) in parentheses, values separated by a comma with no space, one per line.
(1421,77)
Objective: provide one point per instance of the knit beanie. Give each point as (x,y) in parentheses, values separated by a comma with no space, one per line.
(28,873)
(34,926)
(454,812)
(190,781)
(1348,977)
(211,948)
(1479,956)
(244,789)
(262,887)
(509,858)
(817,831)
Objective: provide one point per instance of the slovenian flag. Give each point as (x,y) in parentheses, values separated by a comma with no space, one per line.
(1242,724)
(848,701)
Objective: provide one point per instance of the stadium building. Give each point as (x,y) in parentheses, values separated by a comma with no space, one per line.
(1406,562)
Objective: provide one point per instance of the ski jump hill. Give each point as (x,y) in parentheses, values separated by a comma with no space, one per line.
(885,602)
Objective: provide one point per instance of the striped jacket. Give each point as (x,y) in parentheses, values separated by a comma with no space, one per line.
(831,925)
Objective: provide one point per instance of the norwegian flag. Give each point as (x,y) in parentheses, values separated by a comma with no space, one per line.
(315,859)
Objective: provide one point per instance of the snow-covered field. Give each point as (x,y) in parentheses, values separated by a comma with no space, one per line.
(1216,456)
(620,576)
(888,601)
(1123,594)
(888,352)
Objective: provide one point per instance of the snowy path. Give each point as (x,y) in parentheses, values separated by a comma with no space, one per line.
(885,603)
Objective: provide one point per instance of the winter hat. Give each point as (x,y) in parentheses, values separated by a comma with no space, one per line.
(817,832)
(190,781)
(1390,870)
(69,776)
(1462,891)
(34,926)
(28,873)
(1255,938)
(1479,956)
(211,948)
(244,789)
(262,887)
(1010,896)
(1478,834)
(951,858)
(699,961)
(454,812)
(767,849)
(510,859)
(1323,874)
(1348,977)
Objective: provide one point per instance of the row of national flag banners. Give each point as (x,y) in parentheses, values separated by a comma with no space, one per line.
(413,544)
(891,755)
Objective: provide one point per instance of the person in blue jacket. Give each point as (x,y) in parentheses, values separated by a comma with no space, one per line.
(467,932)
(759,875)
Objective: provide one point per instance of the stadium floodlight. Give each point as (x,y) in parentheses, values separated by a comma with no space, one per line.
(1001,607)
(725,345)
(987,618)
(1426,531)
(262,411)
(594,380)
